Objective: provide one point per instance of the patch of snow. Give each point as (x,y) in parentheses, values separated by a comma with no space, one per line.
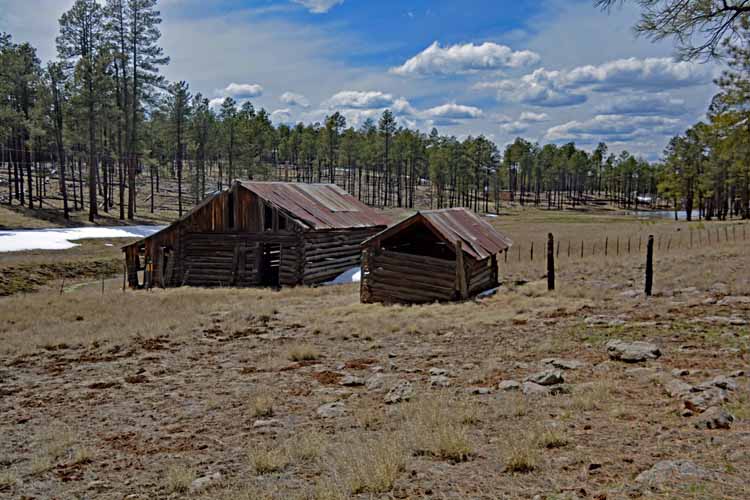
(62,238)
(353,275)
(491,216)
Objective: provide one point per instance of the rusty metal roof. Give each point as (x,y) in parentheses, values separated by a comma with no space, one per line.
(480,239)
(319,206)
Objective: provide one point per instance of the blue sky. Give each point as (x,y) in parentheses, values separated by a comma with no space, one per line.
(547,70)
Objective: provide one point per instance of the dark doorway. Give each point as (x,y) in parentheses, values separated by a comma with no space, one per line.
(270,260)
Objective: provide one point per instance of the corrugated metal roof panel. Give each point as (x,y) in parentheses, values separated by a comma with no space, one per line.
(480,240)
(319,206)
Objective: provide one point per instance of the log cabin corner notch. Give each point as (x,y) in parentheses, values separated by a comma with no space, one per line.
(257,234)
(435,255)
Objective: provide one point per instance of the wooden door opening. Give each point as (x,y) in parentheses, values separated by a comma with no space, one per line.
(270,263)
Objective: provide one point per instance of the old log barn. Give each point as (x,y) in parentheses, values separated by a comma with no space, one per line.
(436,255)
(257,234)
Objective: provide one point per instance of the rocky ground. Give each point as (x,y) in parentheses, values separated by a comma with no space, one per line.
(591,391)
(521,395)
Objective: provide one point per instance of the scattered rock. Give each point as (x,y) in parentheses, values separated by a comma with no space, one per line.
(680,372)
(533,389)
(677,388)
(271,422)
(509,385)
(547,377)
(721,382)
(701,401)
(719,288)
(375,383)
(737,374)
(564,364)
(733,300)
(439,372)
(402,391)
(603,321)
(352,381)
(481,391)
(440,381)
(671,470)
(103,384)
(205,482)
(632,352)
(715,418)
(630,294)
(332,410)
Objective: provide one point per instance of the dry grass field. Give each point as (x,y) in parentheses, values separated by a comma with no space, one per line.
(308,394)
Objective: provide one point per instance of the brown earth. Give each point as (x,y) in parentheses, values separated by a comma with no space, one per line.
(137,394)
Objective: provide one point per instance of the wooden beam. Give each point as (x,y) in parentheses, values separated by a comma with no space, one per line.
(463,286)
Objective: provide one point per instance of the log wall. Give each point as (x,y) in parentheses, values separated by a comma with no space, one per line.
(327,254)
(394,277)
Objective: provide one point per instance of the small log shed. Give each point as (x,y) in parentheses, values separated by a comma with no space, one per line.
(436,255)
(257,234)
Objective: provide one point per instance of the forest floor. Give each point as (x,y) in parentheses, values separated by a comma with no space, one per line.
(308,394)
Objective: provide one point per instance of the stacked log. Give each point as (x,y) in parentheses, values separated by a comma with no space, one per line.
(327,254)
(392,277)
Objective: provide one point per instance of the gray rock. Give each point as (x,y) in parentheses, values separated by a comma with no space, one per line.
(375,383)
(271,422)
(352,381)
(603,321)
(733,300)
(677,388)
(680,372)
(699,402)
(481,391)
(437,372)
(509,385)
(630,294)
(332,410)
(719,288)
(737,374)
(715,418)
(533,389)
(564,364)
(440,381)
(721,382)
(402,391)
(547,377)
(205,482)
(632,352)
(671,471)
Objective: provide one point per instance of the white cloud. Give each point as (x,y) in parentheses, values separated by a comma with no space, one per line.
(453,111)
(644,105)
(319,6)
(552,88)
(360,100)
(216,102)
(530,116)
(294,99)
(243,90)
(282,116)
(465,58)
(613,128)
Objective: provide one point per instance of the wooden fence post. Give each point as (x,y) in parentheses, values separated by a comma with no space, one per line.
(606,246)
(568,248)
(581,248)
(650,266)
(628,245)
(558,250)
(550,262)
(532,252)
(640,240)
(463,286)
(618,246)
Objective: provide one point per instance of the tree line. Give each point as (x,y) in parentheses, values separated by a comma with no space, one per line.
(100,125)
